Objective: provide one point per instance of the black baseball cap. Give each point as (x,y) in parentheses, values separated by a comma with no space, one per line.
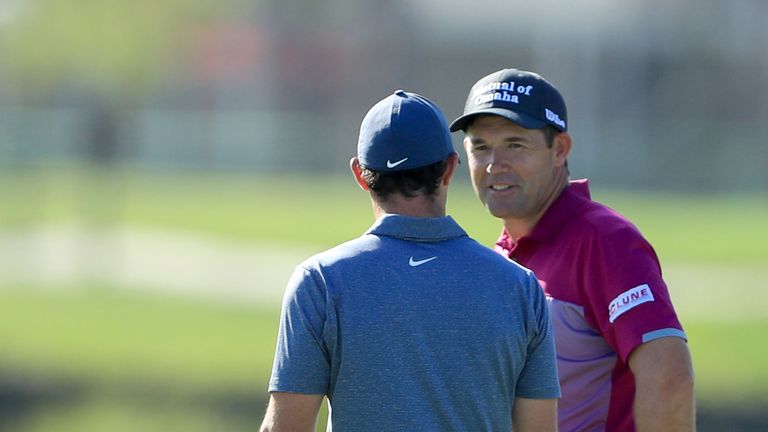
(520,96)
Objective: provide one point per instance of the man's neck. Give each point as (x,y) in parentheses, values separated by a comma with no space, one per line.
(419,206)
(519,228)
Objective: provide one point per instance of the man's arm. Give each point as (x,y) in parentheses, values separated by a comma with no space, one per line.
(664,397)
(291,412)
(534,415)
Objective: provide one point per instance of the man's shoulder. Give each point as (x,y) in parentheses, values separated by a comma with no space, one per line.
(352,249)
(587,217)
(372,249)
(598,219)
(483,253)
(599,229)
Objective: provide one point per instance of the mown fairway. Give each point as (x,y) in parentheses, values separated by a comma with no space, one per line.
(85,356)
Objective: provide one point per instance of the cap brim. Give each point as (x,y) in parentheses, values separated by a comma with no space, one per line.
(521,119)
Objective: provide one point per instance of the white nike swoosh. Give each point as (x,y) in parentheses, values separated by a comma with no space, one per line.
(413,263)
(394,164)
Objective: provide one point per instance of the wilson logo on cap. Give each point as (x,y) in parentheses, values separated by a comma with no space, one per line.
(554,118)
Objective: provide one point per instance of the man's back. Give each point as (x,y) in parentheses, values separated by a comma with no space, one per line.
(418,326)
(413,326)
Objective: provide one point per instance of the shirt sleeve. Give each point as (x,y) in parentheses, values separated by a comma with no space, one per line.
(538,378)
(302,361)
(627,297)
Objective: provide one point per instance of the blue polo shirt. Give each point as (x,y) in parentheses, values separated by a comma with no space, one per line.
(415,326)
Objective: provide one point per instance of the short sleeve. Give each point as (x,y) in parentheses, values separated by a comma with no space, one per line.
(302,362)
(627,297)
(538,378)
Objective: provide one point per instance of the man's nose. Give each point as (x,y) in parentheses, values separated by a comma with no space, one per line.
(498,163)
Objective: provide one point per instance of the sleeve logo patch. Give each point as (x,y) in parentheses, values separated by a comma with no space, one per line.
(629,299)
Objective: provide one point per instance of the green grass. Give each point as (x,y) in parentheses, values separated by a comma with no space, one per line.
(281,209)
(712,250)
(324,209)
(134,361)
(111,337)
(121,345)
(729,359)
(116,415)
(720,228)
(115,336)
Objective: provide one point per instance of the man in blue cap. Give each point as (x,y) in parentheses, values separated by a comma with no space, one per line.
(413,325)
(621,352)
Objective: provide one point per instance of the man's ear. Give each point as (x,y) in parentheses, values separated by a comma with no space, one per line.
(354,165)
(562,145)
(450,169)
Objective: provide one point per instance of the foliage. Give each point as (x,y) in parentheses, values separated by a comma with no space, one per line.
(112,45)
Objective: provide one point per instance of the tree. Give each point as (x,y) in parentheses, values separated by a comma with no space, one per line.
(112,46)
(100,56)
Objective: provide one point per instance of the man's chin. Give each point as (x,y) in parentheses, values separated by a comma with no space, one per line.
(499,213)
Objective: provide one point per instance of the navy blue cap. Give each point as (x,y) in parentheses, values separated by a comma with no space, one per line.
(403,131)
(520,96)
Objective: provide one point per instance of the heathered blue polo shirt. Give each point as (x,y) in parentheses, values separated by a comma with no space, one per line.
(415,326)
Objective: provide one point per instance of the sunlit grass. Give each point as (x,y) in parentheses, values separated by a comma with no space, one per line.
(109,335)
(116,341)
(323,209)
(150,360)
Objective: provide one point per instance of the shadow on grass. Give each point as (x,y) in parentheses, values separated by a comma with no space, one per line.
(731,416)
(24,398)
(67,404)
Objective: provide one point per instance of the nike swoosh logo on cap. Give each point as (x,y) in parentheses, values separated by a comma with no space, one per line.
(394,164)
(415,263)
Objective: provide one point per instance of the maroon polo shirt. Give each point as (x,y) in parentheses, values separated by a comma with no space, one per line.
(606,296)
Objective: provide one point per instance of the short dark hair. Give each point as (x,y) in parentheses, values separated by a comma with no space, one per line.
(409,183)
(550,132)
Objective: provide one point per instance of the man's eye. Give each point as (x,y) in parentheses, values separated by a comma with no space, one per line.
(480,147)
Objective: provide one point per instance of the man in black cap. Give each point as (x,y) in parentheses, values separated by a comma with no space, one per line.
(623,361)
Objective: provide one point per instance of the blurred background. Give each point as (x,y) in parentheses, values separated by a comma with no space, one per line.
(164,165)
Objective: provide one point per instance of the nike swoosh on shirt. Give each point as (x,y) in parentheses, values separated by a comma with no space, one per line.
(394,164)
(415,263)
